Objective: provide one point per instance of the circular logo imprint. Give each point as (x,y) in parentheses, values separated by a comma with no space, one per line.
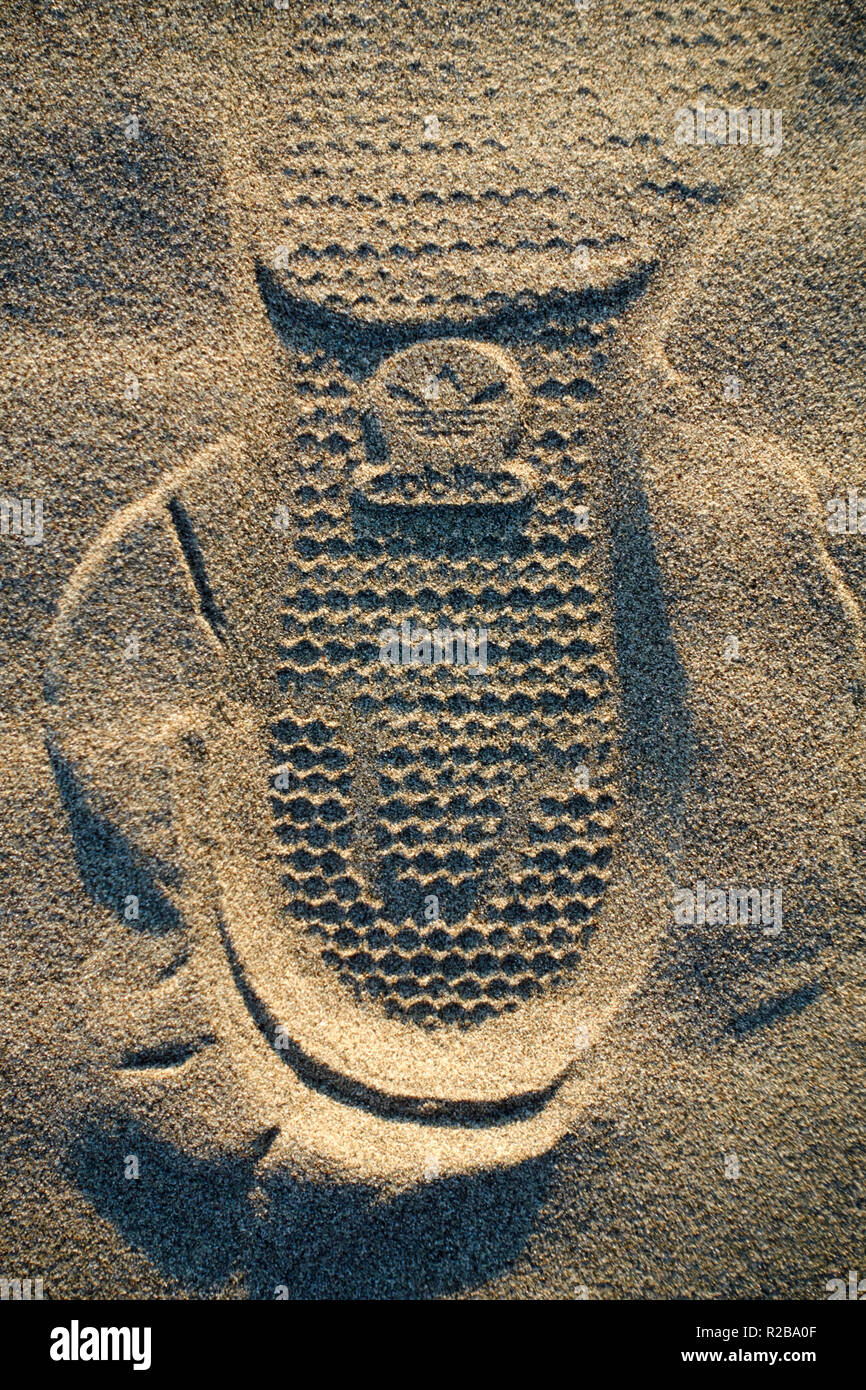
(446,420)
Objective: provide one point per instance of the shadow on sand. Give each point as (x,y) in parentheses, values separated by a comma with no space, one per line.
(205,1225)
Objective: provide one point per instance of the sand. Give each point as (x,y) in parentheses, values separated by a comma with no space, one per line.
(334,973)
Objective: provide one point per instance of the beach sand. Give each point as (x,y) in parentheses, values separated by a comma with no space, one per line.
(334,974)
